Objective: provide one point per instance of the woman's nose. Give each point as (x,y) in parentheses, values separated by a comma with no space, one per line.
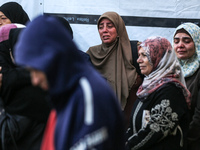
(104,29)
(139,60)
(180,44)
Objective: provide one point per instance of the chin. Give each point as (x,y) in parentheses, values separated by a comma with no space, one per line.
(142,72)
(182,57)
(106,42)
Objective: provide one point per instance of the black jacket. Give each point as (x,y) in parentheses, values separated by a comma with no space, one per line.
(167,124)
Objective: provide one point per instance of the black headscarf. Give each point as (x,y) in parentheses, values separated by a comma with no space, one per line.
(66,24)
(15,13)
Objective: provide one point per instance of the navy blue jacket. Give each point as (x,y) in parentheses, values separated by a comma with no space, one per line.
(88,113)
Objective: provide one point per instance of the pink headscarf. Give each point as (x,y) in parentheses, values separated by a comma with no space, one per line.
(5,30)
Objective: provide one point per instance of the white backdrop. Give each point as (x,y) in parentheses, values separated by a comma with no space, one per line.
(86,34)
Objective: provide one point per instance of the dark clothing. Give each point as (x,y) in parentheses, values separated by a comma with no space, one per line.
(132,93)
(160,122)
(108,128)
(86,56)
(15,13)
(135,57)
(26,105)
(193,84)
(13,37)
(27,133)
(131,100)
(67,26)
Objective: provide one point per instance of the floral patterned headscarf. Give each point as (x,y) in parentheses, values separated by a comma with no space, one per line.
(166,67)
(190,66)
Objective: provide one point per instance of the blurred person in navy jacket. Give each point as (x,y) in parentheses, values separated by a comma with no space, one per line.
(86,112)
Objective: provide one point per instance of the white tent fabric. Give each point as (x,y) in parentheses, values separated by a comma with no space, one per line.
(86,34)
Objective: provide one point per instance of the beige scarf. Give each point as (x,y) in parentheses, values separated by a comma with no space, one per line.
(114,61)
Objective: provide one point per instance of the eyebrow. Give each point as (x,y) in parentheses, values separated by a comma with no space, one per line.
(141,53)
(186,37)
(2,15)
(106,23)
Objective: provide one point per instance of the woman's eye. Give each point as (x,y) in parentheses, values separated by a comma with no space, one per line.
(110,27)
(144,55)
(100,27)
(3,18)
(187,40)
(176,41)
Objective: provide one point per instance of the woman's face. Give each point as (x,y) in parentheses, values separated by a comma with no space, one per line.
(145,66)
(3,19)
(107,31)
(38,78)
(184,46)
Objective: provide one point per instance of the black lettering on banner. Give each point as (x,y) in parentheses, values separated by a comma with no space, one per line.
(129,20)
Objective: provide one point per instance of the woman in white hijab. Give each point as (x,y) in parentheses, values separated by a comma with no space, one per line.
(186,44)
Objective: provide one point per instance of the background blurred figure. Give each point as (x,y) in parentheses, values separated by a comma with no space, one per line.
(26,112)
(187,47)
(113,59)
(161,113)
(12,12)
(69,29)
(26,108)
(88,115)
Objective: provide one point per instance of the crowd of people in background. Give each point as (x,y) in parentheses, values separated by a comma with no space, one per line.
(118,95)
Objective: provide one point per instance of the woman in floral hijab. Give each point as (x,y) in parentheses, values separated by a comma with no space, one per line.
(160,114)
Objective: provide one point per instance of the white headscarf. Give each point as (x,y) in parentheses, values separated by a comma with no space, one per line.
(191,65)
